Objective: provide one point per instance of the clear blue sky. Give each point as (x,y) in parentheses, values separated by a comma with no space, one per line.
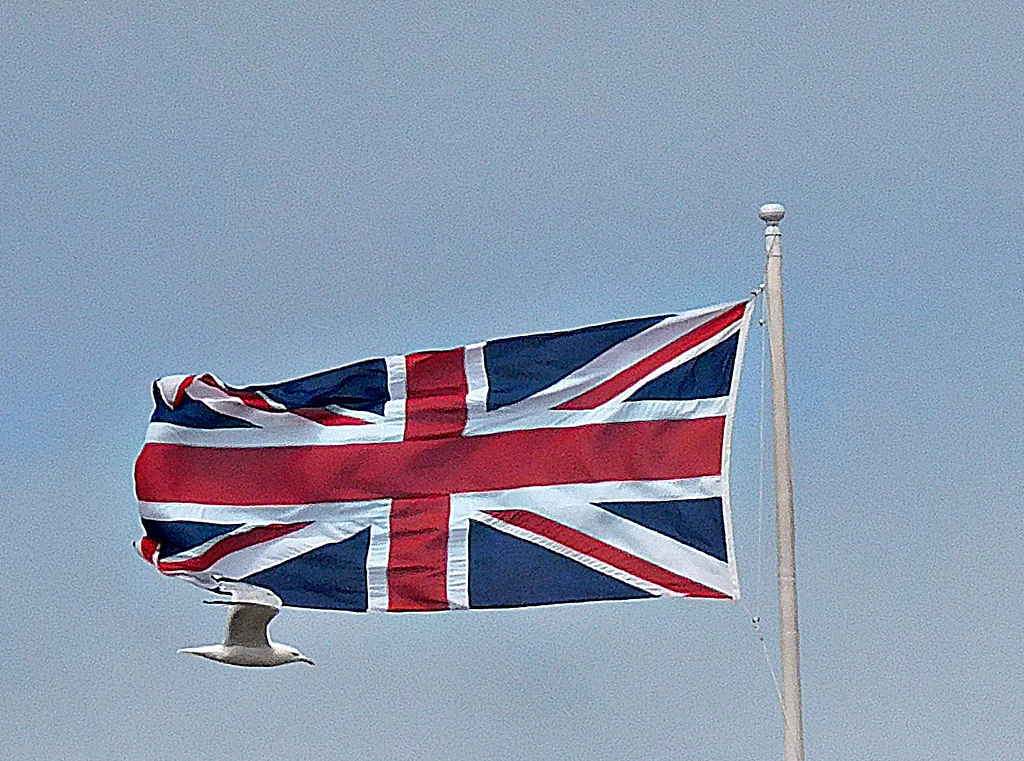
(265,193)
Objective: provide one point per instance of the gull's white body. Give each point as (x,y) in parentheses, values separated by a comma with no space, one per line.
(247,642)
(240,655)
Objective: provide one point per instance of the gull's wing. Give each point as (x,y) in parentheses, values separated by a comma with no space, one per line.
(247,624)
(242,592)
(252,609)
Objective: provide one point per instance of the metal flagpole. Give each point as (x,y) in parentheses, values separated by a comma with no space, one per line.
(789,636)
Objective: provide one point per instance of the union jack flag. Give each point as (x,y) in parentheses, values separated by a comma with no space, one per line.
(587,464)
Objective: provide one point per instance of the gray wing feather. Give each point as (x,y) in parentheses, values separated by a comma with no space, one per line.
(243,592)
(247,624)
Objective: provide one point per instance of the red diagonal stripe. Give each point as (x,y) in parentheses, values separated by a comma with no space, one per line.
(646,450)
(326,417)
(248,398)
(619,383)
(148,549)
(231,544)
(179,393)
(594,548)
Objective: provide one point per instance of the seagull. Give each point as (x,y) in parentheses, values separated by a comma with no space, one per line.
(246,642)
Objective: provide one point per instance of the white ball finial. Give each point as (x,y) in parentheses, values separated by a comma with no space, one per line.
(772,213)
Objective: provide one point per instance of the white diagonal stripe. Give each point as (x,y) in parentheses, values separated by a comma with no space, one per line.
(571,505)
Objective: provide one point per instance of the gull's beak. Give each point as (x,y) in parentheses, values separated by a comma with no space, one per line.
(304,659)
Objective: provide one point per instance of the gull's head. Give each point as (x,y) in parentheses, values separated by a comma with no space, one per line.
(296,656)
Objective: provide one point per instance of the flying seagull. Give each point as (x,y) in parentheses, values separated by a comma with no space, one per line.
(246,642)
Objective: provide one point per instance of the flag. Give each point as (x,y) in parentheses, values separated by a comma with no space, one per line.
(586,464)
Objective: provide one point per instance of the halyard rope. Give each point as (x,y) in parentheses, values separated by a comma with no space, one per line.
(755,615)
(760,463)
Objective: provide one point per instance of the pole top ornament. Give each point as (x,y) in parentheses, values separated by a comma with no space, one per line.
(772,213)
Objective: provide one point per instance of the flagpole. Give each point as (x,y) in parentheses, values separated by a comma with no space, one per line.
(789,636)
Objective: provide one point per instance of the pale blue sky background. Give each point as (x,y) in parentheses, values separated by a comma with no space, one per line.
(265,193)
